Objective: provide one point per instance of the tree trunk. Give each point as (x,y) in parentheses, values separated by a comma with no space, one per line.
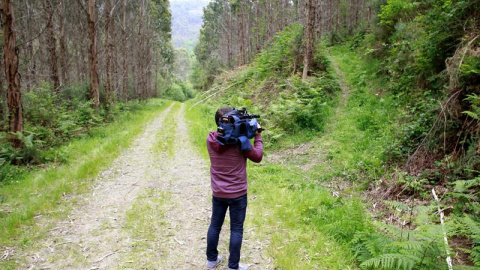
(257,32)
(229,41)
(319,15)
(10,50)
(31,68)
(63,45)
(124,55)
(308,36)
(51,44)
(241,53)
(108,9)
(3,95)
(92,52)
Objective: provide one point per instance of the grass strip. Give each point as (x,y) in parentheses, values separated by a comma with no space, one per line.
(39,192)
(164,140)
(145,224)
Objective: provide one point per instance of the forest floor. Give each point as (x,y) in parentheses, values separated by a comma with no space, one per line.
(148,210)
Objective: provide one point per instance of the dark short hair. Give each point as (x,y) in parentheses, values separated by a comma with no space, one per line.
(220,112)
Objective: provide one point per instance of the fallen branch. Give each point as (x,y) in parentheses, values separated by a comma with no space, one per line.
(442,221)
(106,256)
(218,91)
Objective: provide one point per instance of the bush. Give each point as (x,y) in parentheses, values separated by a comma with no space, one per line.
(304,105)
(179,91)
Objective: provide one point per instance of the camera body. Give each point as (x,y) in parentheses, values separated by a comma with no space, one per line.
(237,127)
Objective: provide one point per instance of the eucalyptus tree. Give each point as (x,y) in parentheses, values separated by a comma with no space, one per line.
(10,52)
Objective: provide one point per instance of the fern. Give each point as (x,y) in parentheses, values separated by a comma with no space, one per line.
(464,185)
(472,226)
(474,229)
(415,247)
(398,206)
(391,261)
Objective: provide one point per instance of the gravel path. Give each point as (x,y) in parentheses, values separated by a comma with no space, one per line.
(98,233)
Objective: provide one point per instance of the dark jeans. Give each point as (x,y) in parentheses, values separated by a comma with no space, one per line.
(238,209)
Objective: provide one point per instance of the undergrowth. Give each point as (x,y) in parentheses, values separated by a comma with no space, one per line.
(273,87)
(51,121)
(293,208)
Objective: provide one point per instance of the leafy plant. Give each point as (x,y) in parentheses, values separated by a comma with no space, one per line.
(473,227)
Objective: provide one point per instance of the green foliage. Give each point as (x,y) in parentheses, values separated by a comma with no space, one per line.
(272,88)
(303,105)
(399,248)
(179,91)
(283,57)
(51,121)
(208,62)
(394,10)
(473,227)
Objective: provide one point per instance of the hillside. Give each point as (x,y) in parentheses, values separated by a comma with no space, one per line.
(406,129)
(186,22)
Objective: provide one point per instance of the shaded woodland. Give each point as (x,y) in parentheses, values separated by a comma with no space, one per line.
(59,55)
(234,32)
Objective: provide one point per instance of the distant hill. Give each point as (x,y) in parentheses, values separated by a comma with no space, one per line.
(186,21)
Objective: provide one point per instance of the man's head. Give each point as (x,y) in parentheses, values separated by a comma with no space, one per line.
(220,112)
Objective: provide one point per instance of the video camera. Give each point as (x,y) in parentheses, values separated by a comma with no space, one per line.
(237,126)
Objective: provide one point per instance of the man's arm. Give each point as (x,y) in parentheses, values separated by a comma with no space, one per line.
(256,151)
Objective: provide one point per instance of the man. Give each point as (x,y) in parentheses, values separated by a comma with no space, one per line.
(228,173)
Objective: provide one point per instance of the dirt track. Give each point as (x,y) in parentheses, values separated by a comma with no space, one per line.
(147,211)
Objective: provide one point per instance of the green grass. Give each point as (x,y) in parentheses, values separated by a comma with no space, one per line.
(307,227)
(164,140)
(358,135)
(40,192)
(145,225)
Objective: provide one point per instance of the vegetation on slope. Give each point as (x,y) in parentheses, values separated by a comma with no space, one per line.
(397,95)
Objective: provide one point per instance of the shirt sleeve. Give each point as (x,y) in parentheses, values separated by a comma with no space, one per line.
(255,153)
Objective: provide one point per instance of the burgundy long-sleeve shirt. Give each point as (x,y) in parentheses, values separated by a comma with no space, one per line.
(228,168)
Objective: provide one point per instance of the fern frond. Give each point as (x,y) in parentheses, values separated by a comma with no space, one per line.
(475,255)
(391,261)
(412,247)
(463,185)
(389,229)
(472,226)
(398,206)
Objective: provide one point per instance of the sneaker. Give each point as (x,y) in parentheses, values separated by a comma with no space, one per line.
(213,264)
(240,267)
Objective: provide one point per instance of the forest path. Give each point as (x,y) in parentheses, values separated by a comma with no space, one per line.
(149,210)
(343,86)
(310,154)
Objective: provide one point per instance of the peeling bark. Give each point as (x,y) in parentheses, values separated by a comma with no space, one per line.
(12,75)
